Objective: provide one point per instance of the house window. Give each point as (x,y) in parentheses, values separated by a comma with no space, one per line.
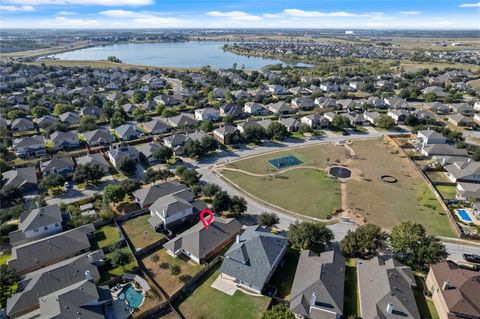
(46,227)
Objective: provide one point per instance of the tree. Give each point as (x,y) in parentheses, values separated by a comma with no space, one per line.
(279,311)
(113,193)
(114,59)
(415,248)
(277,131)
(120,258)
(150,176)
(175,270)
(163,154)
(155,258)
(308,235)
(8,278)
(268,219)
(188,176)
(87,123)
(51,181)
(116,120)
(221,202)
(60,108)
(207,126)
(210,189)
(39,111)
(10,194)
(385,121)
(340,122)
(4,166)
(88,173)
(208,143)
(238,205)
(193,149)
(165,174)
(430,97)
(364,241)
(127,166)
(129,185)
(254,134)
(16,113)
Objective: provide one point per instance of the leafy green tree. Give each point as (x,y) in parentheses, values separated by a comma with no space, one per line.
(39,111)
(151,176)
(117,119)
(210,189)
(430,97)
(138,97)
(114,59)
(87,123)
(340,122)
(208,143)
(10,194)
(120,258)
(268,219)
(308,235)
(221,202)
(415,248)
(175,270)
(254,134)
(129,185)
(88,173)
(385,121)
(4,166)
(127,166)
(8,278)
(51,181)
(207,126)
(113,193)
(238,205)
(364,241)
(15,114)
(163,154)
(165,174)
(277,131)
(279,311)
(188,176)
(193,149)
(60,108)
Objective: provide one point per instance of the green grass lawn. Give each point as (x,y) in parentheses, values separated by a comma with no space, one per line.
(304,191)
(207,302)
(140,232)
(104,236)
(4,257)
(447,191)
(435,176)
(351,302)
(108,272)
(425,307)
(285,273)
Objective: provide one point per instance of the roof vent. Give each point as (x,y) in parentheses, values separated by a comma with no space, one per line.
(389,308)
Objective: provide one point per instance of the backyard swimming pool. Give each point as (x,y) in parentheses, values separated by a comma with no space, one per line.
(286,161)
(464,215)
(132,296)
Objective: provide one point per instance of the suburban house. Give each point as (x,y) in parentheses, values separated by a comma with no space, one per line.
(290,123)
(467,171)
(251,261)
(46,121)
(99,137)
(459,120)
(315,121)
(37,223)
(22,124)
(399,116)
(155,126)
(30,146)
(385,289)
(438,91)
(182,120)
(439,108)
(119,152)
(146,196)
(128,132)
(24,178)
(208,113)
(59,165)
(355,119)
(462,108)
(65,140)
(175,140)
(198,243)
(371,116)
(223,133)
(91,110)
(442,149)
(318,286)
(175,208)
(49,250)
(147,151)
(426,137)
(303,103)
(94,158)
(254,108)
(280,108)
(455,291)
(70,118)
(39,283)
(468,191)
(231,109)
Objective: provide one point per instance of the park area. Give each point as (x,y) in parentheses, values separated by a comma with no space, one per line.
(307,190)
(208,302)
(140,233)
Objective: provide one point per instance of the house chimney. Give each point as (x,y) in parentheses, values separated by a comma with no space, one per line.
(313,301)
(237,239)
(389,308)
(88,275)
(445,285)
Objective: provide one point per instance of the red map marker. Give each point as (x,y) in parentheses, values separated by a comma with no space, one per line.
(208,221)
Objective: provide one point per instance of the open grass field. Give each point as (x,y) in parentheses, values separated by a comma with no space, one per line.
(285,273)
(310,192)
(140,232)
(208,302)
(387,204)
(303,191)
(161,270)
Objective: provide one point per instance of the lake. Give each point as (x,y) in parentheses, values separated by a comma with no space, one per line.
(174,54)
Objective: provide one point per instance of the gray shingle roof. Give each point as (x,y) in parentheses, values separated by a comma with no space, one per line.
(323,275)
(57,163)
(147,195)
(20,177)
(99,136)
(254,257)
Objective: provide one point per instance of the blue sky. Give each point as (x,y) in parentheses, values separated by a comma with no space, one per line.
(340,14)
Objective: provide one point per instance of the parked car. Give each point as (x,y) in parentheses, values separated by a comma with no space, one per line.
(472,258)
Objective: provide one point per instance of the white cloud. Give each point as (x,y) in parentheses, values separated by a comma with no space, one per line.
(234,15)
(410,13)
(62,22)
(315,14)
(121,14)
(470,5)
(85,2)
(17,8)
(66,13)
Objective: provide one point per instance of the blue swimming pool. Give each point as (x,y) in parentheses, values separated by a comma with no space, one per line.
(464,215)
(286,161)
(132,296)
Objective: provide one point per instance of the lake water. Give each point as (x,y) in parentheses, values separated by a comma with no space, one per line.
(178,54)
